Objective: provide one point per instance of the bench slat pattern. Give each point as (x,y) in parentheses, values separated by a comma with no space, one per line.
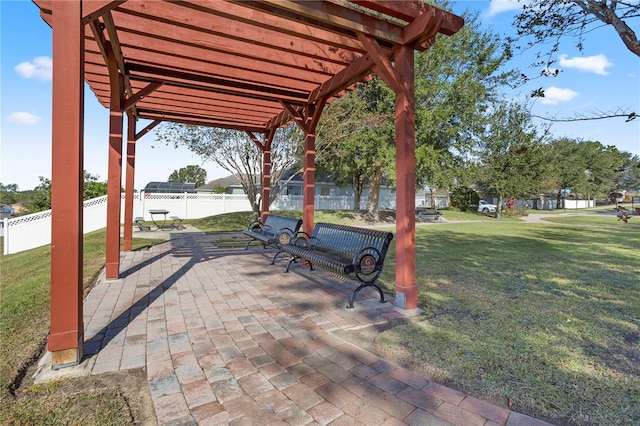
(276,231)
(345,250)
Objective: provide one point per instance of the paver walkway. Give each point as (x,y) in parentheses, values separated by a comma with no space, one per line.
(227,338)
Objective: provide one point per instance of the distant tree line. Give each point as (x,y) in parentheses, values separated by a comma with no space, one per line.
(39,198)
(469,138)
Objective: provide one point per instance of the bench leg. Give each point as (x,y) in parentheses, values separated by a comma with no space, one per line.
(250,241)
(273,261)
(360,287)
(293,259)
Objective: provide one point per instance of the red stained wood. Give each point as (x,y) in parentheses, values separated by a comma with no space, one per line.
(112,267)
(246,65)
(129,182)
(67,175)
(255,50)
(406,181)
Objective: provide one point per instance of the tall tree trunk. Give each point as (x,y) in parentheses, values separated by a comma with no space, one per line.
(358,186)
(373,201)
(498,207)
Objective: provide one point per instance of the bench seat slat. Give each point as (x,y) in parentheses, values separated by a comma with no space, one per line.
(275,231)
(337,247)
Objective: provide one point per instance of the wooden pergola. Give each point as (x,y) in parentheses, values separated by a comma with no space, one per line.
(252,66)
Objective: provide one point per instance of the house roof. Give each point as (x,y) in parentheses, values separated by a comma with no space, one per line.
(170,187)
(246,65)
(224,182)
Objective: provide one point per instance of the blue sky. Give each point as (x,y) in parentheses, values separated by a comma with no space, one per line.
(604,77)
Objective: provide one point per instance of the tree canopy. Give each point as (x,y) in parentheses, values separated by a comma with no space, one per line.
(190,174)
(456,80)
(548,22)
(591,170)
(237,153)
(512,160)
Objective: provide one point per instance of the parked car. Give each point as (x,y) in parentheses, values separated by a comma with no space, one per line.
(485,207)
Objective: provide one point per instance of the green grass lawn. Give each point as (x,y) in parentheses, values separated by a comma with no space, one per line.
(541,318)
(24,323)
(544,319)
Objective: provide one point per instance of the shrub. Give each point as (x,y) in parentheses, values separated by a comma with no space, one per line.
(465,199)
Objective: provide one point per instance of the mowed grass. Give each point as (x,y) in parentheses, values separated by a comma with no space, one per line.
(24,317)
(543,319)
(540,318)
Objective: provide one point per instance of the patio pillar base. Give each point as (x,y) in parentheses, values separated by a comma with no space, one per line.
(407,298)
(66,357)
(112,270)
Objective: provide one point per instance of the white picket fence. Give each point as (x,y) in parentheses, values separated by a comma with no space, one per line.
(34,230)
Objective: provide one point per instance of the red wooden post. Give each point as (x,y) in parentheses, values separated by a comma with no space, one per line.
(129,181)
(406,288)
(65,341)
(266,172)
(307,119)
(308,182)
(114,182)
(266,181)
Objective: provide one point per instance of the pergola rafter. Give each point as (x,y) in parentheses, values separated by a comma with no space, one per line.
(252,66)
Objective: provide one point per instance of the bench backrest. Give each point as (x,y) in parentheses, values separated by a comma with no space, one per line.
(348,240)
(277,223)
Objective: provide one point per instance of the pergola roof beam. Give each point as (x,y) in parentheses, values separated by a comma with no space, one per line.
(338,15)
(247,57)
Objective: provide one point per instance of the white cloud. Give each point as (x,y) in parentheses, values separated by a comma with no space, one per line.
(40,68)
(23,118)
(597,64)
(554,95)
(499,6)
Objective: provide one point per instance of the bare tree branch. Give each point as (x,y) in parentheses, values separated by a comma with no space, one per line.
(595,115)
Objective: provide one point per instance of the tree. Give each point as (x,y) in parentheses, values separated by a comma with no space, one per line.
(8,193)
(549,22)
(569,167)
(546,21)
(92,188)
(355,140)
(189,174)
(455,82)
(40,198)
(600,171)
(587,168)
(512,156)
(627,174)
(236,153)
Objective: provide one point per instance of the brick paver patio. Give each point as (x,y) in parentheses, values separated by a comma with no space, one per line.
(227,338)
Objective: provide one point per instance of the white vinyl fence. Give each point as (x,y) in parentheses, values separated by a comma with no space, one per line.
(34,230)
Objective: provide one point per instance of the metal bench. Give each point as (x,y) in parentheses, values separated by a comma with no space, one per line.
(345,250)
(275,231)
(428,213)
(140,222)
(176,222)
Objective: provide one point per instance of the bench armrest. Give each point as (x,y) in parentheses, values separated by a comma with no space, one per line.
(255,224)
(301,239)
(267,228)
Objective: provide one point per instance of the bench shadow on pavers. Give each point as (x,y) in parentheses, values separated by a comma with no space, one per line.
(344,250)
(275,231)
